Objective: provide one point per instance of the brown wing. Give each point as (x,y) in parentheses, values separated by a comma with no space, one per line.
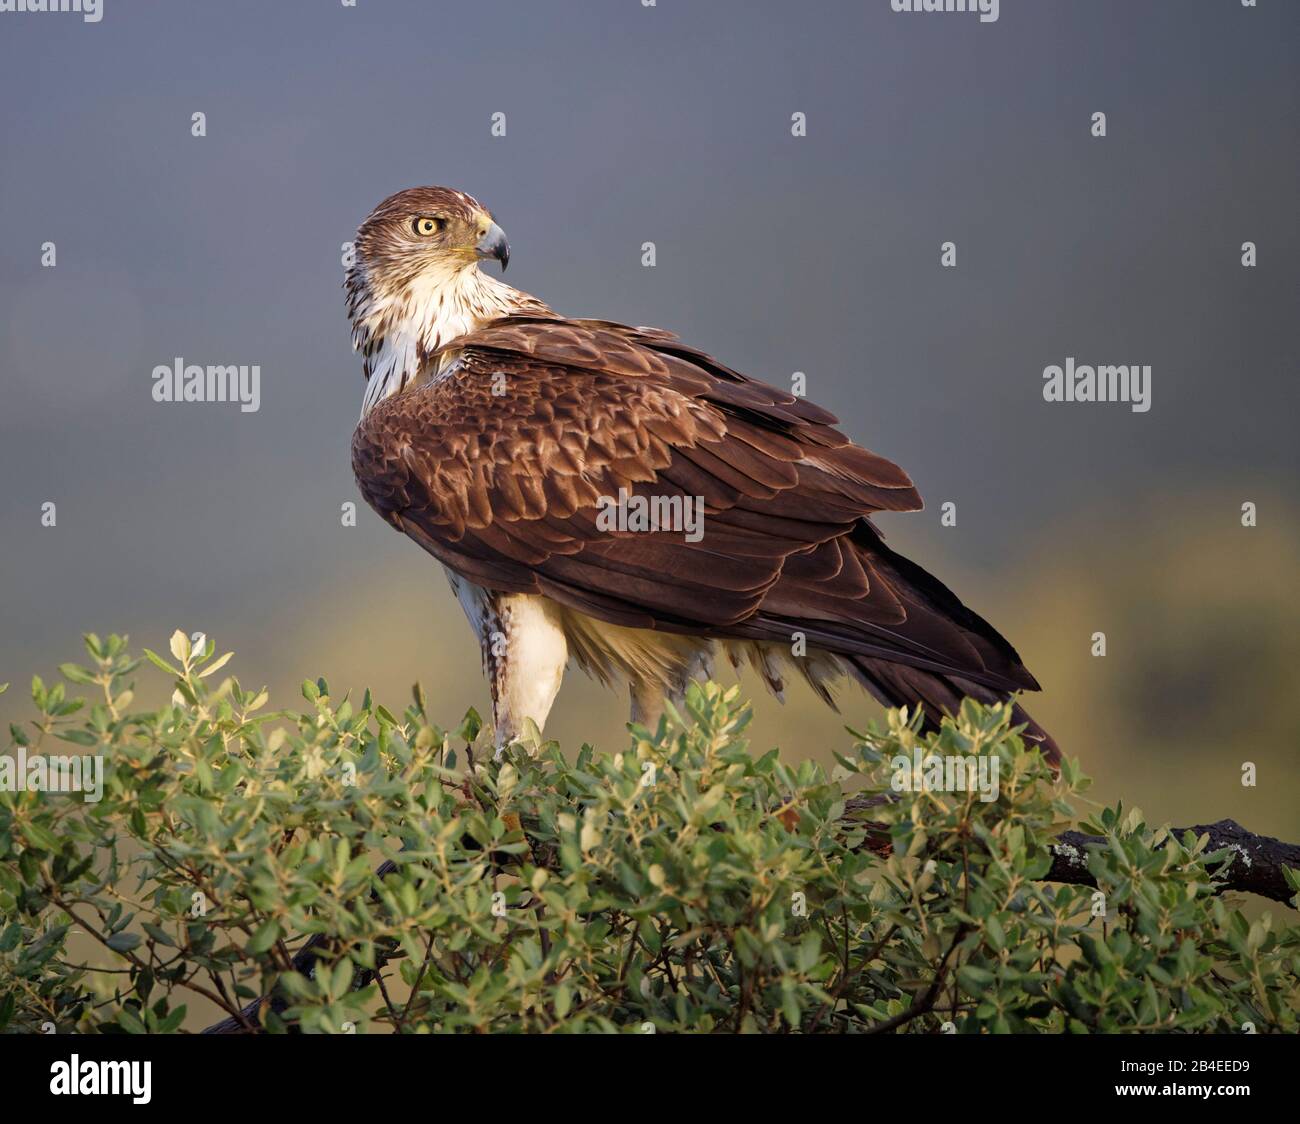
(498,466)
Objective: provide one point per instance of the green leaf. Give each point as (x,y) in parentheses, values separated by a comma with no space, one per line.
(563,1000)
(172,1022)
(264,938)
(130,1021)
(160,663)
(123,942)
(159,934)
(180,645)
(40,836)
(75,673)
(216,665)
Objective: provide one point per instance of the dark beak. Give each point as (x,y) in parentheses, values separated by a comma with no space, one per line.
(493,244)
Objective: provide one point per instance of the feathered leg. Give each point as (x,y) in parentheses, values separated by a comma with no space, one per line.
(524,654)
(648,696)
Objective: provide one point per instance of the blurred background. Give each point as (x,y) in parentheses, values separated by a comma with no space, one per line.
(820,254)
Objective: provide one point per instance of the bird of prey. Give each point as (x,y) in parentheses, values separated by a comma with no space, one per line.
(496,433)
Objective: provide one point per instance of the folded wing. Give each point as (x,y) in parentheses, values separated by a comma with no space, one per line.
(499,464)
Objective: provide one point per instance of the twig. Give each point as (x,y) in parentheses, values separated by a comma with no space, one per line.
(926,1002)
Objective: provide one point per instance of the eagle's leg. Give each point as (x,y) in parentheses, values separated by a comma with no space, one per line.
(649,695)
(647,702)
(524,654)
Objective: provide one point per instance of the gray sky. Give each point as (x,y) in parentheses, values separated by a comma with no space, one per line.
(628,124)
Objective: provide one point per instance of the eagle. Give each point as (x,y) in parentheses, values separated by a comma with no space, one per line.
(497,433)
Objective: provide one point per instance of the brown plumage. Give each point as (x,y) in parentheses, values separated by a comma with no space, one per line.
(495,448)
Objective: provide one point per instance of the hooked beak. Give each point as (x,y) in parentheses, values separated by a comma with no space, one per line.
(493,244)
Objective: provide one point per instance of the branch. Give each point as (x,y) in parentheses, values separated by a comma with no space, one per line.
(926,1003)
(1255,867)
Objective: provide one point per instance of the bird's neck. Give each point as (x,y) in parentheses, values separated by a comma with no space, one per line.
(398,331)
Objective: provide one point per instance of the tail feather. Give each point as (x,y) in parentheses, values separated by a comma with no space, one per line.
(895,684)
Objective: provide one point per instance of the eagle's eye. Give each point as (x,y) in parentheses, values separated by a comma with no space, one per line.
(426,227)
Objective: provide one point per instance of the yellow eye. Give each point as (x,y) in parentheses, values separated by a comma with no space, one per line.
(426,227)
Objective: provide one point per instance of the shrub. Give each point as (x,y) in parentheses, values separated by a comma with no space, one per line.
(685,884)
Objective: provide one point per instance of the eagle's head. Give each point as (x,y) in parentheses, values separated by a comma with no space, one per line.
(430,231)
(414,281)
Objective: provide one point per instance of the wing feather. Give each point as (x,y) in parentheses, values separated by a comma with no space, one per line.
(506,490)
